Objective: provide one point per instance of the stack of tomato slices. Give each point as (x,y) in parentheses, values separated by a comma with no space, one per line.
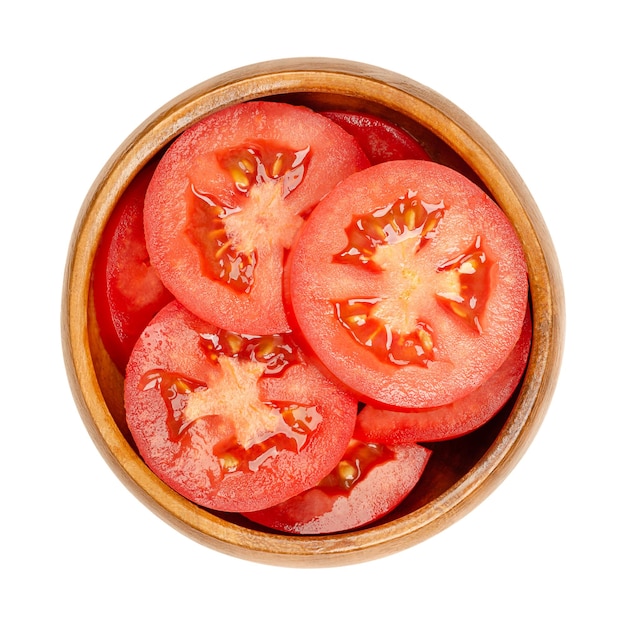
(298,301)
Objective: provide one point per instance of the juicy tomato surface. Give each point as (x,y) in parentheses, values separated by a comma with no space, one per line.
(369,482)
(232,422)
(127,289)
(381,140)
(408,284)
(450,420)
(226,200)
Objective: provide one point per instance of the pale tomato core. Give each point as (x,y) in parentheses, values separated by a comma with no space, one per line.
(250,417)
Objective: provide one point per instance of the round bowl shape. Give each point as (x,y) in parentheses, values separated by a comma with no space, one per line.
(461,472)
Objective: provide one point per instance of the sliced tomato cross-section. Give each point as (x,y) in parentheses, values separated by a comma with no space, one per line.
(450,420)
(408,284)
(127,289)
(226,200)
(369,482)
(381,140)
(232,422)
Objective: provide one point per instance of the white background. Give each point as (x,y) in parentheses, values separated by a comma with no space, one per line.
(545,80)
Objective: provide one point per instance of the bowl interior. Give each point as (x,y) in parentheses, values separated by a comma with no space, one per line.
(462,471)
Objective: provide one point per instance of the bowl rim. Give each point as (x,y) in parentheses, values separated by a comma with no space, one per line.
(471,142)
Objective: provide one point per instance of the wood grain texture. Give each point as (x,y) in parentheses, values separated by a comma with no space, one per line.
(462,472)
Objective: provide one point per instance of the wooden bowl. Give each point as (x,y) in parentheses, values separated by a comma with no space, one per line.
(461,472)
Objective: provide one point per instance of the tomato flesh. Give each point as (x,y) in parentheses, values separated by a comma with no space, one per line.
(381,140)
(451,420)
(232,423)
(227,199)
(407,284)
(208,227)
(369,482)
(283,247)
(127,289)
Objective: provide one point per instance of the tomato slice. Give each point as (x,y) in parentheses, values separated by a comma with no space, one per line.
(451,420)
(232,422)
(227,199)
(381,140)
(408,284)
(369,482)
(127,289)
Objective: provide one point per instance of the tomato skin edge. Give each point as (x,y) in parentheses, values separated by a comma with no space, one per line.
(258,311)
(309,266)
(312,512)
(381,140)
(453,420)
(121,317)
(188,463)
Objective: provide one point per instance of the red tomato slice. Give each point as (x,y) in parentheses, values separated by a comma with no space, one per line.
(232,422)
(381,140)
(451,420)
(127,290)
(369,482)
(227,199)
(408,284)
